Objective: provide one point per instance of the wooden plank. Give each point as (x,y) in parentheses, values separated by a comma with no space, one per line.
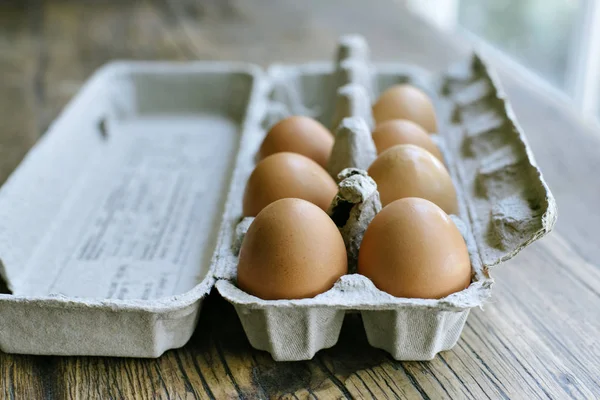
(538,336)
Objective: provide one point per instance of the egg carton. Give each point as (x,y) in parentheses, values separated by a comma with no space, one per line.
(127,212)
(503,201)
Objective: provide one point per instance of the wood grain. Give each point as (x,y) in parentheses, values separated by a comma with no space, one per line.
(539,337)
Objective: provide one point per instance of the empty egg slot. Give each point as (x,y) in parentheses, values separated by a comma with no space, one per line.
(351,66)
(286,97)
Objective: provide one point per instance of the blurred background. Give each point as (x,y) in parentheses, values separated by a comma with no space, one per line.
(553,43)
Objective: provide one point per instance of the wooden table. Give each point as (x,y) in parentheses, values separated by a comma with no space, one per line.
(538,337)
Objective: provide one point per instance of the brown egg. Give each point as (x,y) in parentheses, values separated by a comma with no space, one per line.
(298,134)
(403,131)
(285,175)
(406,102)
(292,250)
(413,249)
(406,170)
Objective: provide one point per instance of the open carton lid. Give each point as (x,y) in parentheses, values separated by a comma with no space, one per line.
(122,199)
(508,203)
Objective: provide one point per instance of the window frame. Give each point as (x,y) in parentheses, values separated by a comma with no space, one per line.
(583,68)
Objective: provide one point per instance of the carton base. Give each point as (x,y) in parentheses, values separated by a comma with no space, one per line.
(413,334)
(291,334)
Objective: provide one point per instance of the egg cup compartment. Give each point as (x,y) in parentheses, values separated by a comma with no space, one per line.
(413,334)
(296,330)
(503,202)
(289,333)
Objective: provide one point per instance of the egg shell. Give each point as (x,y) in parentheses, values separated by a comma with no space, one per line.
(413,249)
(298,134)
(402,131)
(406,102)
(409,171)
(284,175)
(292,250)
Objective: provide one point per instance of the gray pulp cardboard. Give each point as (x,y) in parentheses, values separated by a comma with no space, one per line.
(501,211)
(353,208)
(123,217)
(109,225)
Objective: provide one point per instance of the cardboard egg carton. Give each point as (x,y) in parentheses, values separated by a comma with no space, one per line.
(129,210)
(501,211)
